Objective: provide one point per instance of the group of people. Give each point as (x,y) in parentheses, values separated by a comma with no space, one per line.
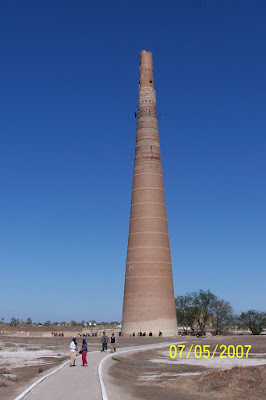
(84,349)
(144,334)
(73,352)
(112,341)
(57,334)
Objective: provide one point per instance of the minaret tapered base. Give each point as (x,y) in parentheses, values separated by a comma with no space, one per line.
(168,328)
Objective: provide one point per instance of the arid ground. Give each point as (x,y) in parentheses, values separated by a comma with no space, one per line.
(147,374)
(154,375)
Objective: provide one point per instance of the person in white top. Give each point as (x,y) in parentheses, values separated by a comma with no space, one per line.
(73,349)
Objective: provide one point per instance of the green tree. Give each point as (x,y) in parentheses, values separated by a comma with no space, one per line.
(197,309)
(254,320)
(14,321)
(186,311)
(204,303)
(29,321)
(47,323)
(222,315)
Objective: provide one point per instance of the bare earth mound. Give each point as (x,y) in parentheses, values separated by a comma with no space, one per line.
(237,383)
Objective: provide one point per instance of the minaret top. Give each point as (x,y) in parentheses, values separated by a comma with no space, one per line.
(145,69)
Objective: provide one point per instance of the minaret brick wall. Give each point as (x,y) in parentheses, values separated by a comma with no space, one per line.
(149,303)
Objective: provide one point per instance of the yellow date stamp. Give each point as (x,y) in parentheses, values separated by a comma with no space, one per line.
(222,351)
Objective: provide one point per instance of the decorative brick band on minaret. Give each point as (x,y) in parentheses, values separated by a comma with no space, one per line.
(149,303)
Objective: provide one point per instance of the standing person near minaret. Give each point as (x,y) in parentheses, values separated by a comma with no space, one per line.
(149,304)
(113,342)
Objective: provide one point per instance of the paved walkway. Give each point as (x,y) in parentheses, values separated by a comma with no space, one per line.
(79,383)
(73,383)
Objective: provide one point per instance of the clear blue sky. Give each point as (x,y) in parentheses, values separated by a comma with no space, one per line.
(69,81)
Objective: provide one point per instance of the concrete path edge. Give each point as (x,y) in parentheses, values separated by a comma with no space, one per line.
(39,381)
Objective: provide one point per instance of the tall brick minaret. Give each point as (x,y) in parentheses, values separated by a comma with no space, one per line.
(149,303)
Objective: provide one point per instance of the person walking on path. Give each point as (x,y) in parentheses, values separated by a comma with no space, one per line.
(73,349)
(84,350)
(113,342)
(104,340)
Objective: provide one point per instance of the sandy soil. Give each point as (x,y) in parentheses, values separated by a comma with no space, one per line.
(154,375)
(22,359)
